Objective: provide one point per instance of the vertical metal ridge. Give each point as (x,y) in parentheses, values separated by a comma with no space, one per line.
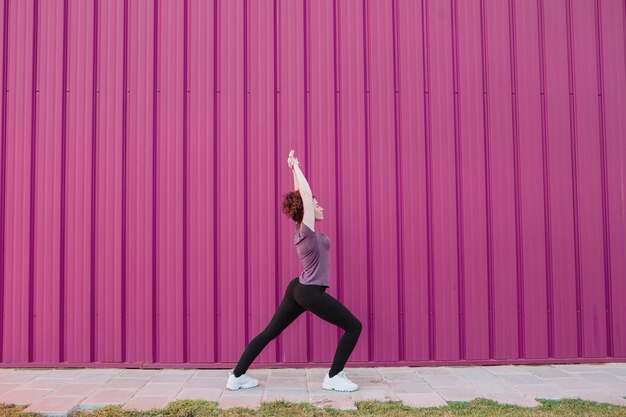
(186,313)
(63,176)
(246,249)
(521,331)
(5,55)
(33,173)
(459,184)
(399,211)
(155,50)
(216,298)
(429,198)
(605,193)
(546,182)
(338,189)
(278,274)
(124,346)
(488,177)
(94,131)
(574,155)
(307,147)
(368,187)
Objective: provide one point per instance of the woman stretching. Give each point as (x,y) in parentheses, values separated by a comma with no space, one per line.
(306,291)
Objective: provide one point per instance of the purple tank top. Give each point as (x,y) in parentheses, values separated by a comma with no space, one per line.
(312,247)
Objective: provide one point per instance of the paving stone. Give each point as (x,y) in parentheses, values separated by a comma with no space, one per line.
(7,387)
(619,390)
(63,373)
(506,370)
(544,391)
(290,395)
(46,383)
(422,400)
(499,387)
(315,381)
(513,399)
(146,403)
(365,372)
(177,371)
(377,384)
(134,383)
(470,372)
(112,371)
(54,406)
(212,373)
(159,389)
(207,394)
(23,396)
(574,383)
(406,375)
(409,387)
(196,382)
(379,394)
(602,378)
(319,393)
(138,373)
(333,403)
(396,369)
(616,364)
(457,393)
(546,371)
(75,390)
(619,372)
(522,379)
(168,379)
(104,397)
(579,367)
(314,371)
(488,378)
(32,371)
(286,382)
(19,377)
(288,372)
(598,396)
(432,370)
(436,381)
(256,392)
(248,398)
(94,378)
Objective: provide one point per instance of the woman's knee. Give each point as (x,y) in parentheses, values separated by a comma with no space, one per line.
(355,326)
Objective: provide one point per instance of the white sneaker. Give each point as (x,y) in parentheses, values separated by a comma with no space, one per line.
(244,381)
(339,382)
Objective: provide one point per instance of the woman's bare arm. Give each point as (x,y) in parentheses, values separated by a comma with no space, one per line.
(308,217)
(305,189)
(295,180)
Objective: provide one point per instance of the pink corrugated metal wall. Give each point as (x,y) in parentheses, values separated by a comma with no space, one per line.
(469,154)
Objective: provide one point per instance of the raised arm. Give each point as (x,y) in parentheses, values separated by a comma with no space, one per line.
(305,189)
(307,197)
(295,180)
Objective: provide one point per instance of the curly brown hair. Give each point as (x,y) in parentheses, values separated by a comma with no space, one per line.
(293,206)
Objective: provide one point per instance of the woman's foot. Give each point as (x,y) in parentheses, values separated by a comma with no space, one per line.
(244,381)
(339,382)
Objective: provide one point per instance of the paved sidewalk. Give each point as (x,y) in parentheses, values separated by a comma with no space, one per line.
(60,391)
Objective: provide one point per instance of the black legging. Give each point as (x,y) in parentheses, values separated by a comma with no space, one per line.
(299,298)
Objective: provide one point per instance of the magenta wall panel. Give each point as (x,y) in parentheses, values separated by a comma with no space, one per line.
(470,156)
